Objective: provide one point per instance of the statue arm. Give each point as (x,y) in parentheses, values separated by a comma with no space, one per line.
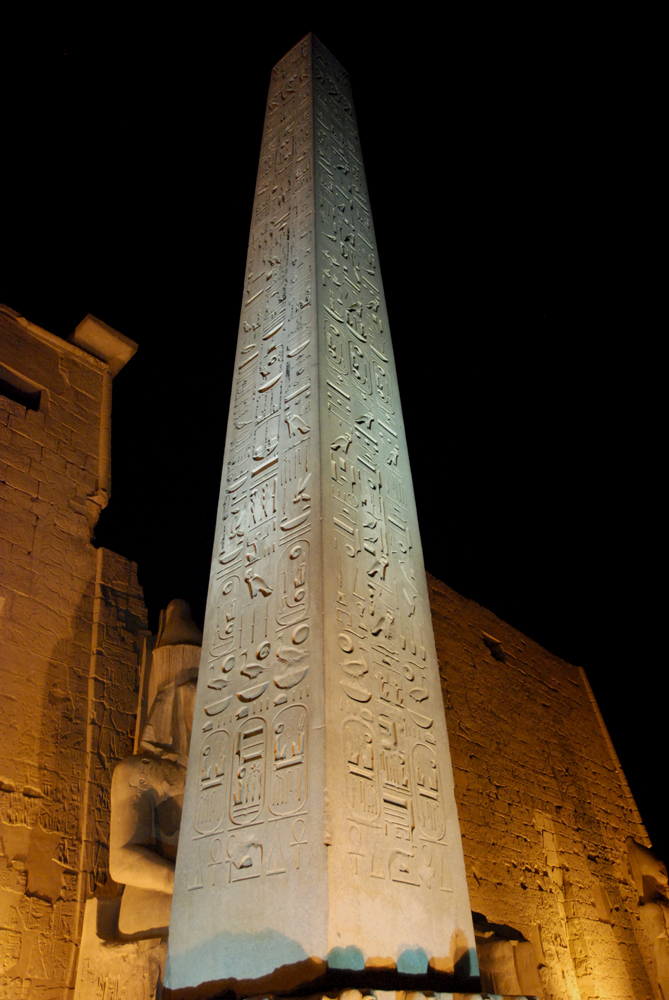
(132,859)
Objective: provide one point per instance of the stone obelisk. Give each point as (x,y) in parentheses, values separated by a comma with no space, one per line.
(320,841)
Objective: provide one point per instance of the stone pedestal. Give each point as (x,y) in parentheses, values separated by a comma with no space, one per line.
(111,967)
(320,841)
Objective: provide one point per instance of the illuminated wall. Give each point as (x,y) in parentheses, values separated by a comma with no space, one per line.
(544,807)
(71,617)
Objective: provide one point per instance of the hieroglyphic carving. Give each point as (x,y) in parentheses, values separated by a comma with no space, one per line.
(391,697)
(252,707)
(210,809)
(289,753)
(319,678)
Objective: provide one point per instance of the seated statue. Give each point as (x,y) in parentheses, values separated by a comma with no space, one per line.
(507,960)
(147,788)
(652,885)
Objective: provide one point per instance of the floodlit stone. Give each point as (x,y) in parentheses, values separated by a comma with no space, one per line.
(147,788)
(543,804)
(320,839)
(71,621)
(110,967)
(650,879)
(102,341)
(124,939)
(544,811)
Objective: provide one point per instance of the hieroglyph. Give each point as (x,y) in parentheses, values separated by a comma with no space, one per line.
(319,820)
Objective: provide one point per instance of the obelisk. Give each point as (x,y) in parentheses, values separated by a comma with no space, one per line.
(320,841)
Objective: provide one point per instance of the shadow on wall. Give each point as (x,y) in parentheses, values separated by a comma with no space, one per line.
(63,734)
(40,809)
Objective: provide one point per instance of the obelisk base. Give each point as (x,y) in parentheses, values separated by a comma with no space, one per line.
(212,992)
(313,979)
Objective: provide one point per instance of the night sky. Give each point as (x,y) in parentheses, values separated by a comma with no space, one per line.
(496,162)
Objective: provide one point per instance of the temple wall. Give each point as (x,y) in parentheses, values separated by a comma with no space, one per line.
(71,622)
(544,808)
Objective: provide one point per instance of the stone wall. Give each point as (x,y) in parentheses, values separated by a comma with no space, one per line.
(71,623)
(543,805)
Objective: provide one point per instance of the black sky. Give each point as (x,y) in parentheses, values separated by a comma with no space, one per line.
(496,160)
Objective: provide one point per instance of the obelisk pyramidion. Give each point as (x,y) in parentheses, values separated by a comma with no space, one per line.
(320,839)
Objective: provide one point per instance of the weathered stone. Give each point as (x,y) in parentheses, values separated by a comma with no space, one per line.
(652,885)
(128,970)
(320,837)
(544,808)
(147,788)
(55,771)
(544,811)
(104,342)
